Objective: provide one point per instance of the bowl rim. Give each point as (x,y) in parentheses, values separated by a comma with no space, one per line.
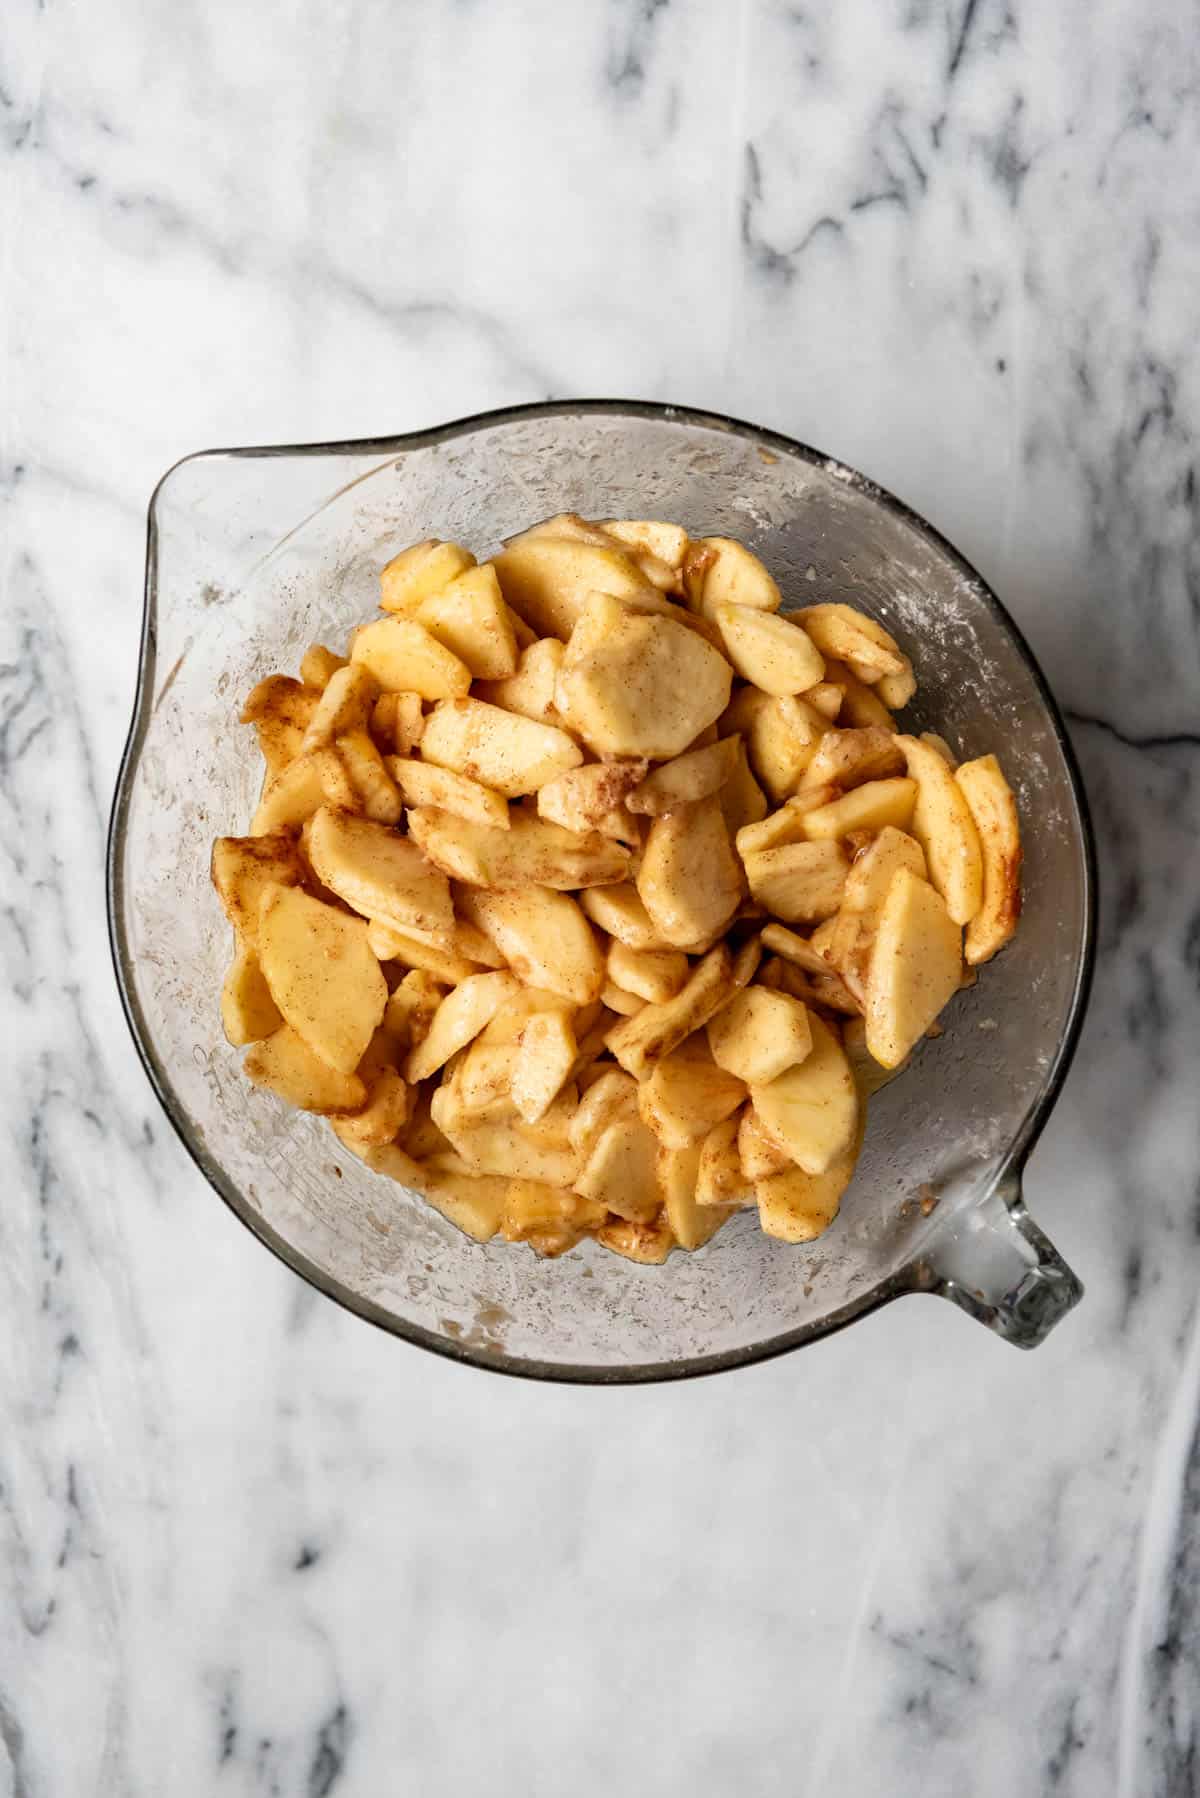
(906,1279)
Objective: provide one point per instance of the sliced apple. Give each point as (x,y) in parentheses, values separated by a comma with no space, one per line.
(759,1035)
(244,867)
(657,1029)
(916,966)
(667,543)
(637,684)
(870,1074)
(619,910)
(621,1171)
(248,1012)
(861,707)
(547,580)
(686,778)
(850,636)
(742,799)
(544,937)
(426,784)
(689,879)
(543,1064)
(469,617)
(398,722)
(281,711)
(774,653)
(648,1244)
(692,1224)
(719,570)
(322,974)
(782,734)
(346,704)
(872,806)
(411,1010)
(720,1180)
(867,886)
(785,825)
(943,824)
(758,1152)
(896,690)
(796,1206)
(375,793)
(530,691)
(653,974)
(406,658)
(584,798)
(799,883)
(994,811)
(812,1109)
(286,1066)
(686,1093)
(459,1018)
(531,852)
(850,757)
(501,750)
(318,665)
(445,964)
(418,571)
(379,874)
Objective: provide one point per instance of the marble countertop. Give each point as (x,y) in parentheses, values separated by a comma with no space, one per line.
(252,1546)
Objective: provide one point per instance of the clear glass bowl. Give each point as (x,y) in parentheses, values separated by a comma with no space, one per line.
(253,554)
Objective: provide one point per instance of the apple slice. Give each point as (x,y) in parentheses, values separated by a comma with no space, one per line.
(469,617)
(531,852)
(719,570)
(795,1206)
(799,882)
(406,658)
(346,703)
(544,937)
(322,974)
(459,1018)
(425,784)
(248,1012)
(994,811)
(618,910)
(530,691)
(687,1093)
(418,571)
(502,750)
(775,654)
(916,966)
(242,870)
(812,1109)
(869,807)
(720,1179)
(634,683)
(689,880)
(380,875)
(286,1066)
(621,1170)
(867,886)
(850,636)
(760,1034)
(692,1224)
(850,757)
(943,825)
(547,580)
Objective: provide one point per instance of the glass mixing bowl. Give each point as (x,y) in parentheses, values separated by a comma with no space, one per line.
(255,553)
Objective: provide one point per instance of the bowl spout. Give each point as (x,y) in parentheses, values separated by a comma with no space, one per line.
(1000,1268)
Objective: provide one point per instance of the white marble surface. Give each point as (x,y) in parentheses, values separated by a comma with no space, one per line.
(251,1546)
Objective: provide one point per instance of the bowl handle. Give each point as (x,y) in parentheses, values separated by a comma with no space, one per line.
(998,1267)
